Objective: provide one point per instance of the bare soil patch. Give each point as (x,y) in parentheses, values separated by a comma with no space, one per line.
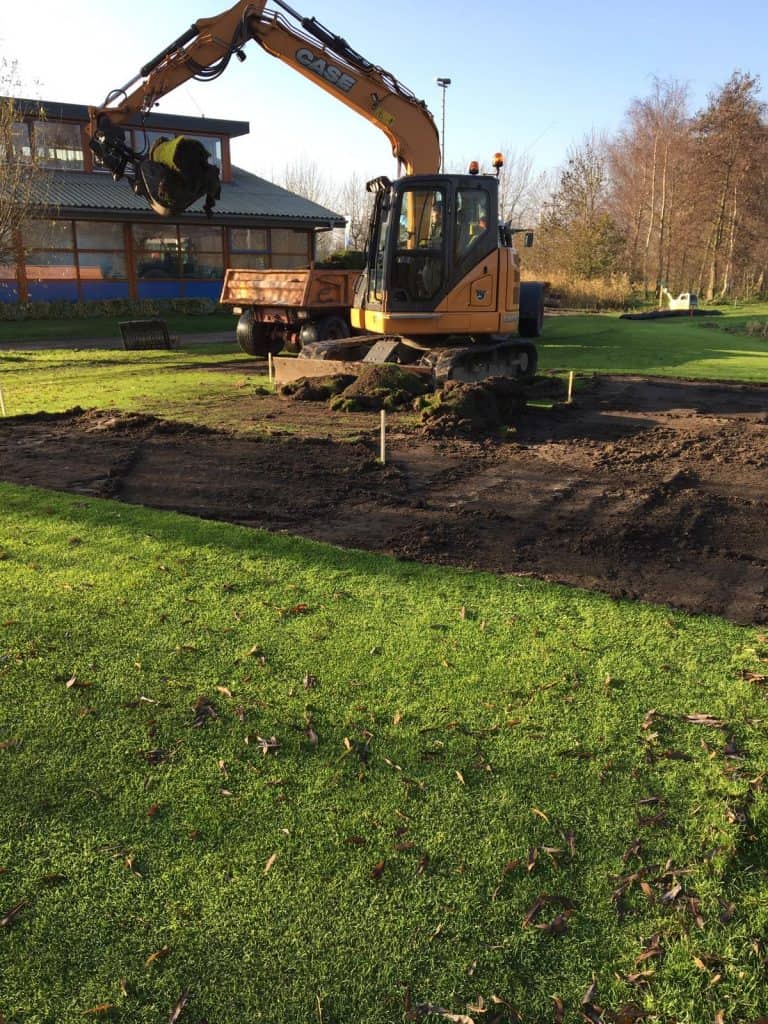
(648,489)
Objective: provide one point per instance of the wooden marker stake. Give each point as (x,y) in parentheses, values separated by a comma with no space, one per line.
(269,362)
(383,444)
(2,402)
(570,388)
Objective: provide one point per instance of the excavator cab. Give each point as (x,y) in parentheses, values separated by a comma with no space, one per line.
(427,233)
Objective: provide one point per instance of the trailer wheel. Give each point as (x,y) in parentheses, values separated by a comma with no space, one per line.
(531,309)
(332,328)
(256,338)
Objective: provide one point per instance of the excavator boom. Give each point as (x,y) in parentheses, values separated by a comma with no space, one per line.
(203,53)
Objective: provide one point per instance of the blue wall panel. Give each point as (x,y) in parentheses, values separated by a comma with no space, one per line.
(95,291)
(158,289)
(9,291)
(53,291)
(203,289)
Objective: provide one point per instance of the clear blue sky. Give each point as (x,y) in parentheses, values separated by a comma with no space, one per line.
(534,77)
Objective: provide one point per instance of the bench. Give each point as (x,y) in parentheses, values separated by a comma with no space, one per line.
(144,334)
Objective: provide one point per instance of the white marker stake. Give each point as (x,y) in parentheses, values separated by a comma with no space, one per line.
(269,358)
(383,445)
(570,388)
(2,402)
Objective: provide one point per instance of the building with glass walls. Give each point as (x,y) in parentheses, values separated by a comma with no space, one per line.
(94,239)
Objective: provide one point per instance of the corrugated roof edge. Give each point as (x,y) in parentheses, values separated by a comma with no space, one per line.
(83,193)
(155,121)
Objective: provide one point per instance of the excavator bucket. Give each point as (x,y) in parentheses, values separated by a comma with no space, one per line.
(177,174)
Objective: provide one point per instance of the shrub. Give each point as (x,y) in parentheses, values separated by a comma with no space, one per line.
(593,295)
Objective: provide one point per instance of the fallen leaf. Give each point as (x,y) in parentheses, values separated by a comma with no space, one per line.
(310,681)
(557,926)
(539,814)
(205,710)
(535,910)
(178,1009)
(225,690)
(101,1010)
(378,870)
(708,720)
(427,1009)
(10,916)
(632,851)
(153,810)
(160,954)
(270,746)
(558,1010)
(54,879)
(652,949)
(728,911)
(460,777)
(270,863)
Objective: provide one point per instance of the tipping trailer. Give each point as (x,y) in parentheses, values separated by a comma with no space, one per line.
(288,309)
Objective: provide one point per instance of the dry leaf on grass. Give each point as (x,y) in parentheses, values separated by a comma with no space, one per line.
(270,863)
(708,720)
(10,916)
(427,1009)
(178,1009)
(159,954)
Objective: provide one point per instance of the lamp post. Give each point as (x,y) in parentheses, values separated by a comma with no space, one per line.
(443,83)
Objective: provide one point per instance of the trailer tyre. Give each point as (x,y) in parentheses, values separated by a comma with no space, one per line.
(257,339)
(531,309)
(332,328)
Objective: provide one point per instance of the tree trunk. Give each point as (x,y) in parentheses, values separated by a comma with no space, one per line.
(651,217)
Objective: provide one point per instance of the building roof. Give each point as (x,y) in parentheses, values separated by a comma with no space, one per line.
(82,193)
(154,121)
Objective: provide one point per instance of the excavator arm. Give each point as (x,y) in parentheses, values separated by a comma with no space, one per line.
(203,53)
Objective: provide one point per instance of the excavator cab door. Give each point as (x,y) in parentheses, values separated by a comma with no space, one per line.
(427,234)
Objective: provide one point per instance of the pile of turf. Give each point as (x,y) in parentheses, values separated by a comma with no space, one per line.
(381,386)
(315,389)
(483,408)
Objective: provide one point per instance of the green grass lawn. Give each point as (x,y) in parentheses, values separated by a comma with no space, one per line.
(163,383)
(697,348)
(21,331)
(302,784)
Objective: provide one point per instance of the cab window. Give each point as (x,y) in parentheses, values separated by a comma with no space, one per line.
(472,208)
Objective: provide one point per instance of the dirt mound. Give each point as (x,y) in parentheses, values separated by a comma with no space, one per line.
(381,386)
(479,409)
(315,389)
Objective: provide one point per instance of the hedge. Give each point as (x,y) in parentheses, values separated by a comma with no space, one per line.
(128,308)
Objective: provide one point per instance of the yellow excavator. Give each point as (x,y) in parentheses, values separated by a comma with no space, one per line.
(442,275)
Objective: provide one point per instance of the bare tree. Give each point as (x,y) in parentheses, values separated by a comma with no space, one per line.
(647,159)
(354,203)
(522,189)
(22,180)
(730,150)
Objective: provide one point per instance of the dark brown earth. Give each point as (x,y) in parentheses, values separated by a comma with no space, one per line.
(643,489)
